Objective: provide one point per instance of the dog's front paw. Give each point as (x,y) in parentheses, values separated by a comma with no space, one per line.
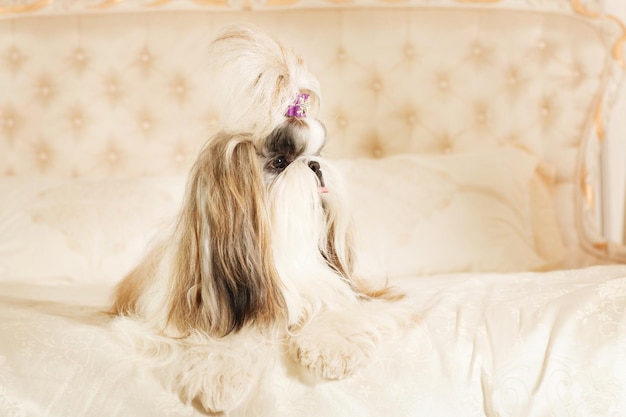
(219,375)
(224,392)
(331,355)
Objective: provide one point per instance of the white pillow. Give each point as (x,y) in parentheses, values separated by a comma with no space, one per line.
(414,214)
(75,230)
(485,211)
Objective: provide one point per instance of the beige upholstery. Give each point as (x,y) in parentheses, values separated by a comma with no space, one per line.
(126,94)
(498,108)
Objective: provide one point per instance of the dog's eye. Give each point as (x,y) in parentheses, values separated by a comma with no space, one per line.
(279,163)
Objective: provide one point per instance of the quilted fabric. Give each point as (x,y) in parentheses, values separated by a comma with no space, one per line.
(118,95)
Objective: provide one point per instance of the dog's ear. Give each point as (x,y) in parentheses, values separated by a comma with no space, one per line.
(338,250)
(339,245)
(225,274)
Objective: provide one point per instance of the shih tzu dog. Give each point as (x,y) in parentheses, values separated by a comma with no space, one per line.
(261,248)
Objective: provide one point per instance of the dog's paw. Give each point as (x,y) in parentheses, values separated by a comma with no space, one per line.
(224,392)
(216,379)
(331,355)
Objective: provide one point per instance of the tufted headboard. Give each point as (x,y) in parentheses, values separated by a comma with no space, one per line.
(119,88)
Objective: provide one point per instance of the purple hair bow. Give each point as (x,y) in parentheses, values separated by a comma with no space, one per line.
(299,107)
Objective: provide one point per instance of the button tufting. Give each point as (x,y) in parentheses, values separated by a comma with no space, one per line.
(79,56)
(342,55)
(179,89)
(512,137)
(146,121)
(8,120)
(112,89)
(145,60)
(512,76)
(441,80)
(79,60)
(578,72)
(445,143)
(14,58)
(409,51)
(43,89)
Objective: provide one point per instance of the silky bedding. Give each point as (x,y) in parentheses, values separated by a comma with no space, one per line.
(514,344)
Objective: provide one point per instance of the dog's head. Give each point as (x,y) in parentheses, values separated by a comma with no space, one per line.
(260,202)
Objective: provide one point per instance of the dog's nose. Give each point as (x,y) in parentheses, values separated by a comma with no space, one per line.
(315,166)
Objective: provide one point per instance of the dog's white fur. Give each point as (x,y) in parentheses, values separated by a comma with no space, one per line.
(259,250)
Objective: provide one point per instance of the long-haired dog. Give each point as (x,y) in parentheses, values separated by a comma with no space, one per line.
(262,244)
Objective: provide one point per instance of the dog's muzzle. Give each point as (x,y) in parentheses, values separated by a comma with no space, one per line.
(315,167)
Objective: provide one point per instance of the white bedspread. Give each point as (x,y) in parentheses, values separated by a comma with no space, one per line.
(527,344)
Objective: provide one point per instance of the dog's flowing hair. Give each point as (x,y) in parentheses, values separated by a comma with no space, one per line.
(261,246)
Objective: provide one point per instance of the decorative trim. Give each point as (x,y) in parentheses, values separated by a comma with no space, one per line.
(598,122)
(26,8)
(478,1)
(618,47)
(157,3)
(219,3)
(274,3)
(106,4)
(587,189)
(618,51)
(68,6)
(601,245)
(578,7)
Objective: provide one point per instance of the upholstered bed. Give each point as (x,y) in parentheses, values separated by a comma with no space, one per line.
(472,138)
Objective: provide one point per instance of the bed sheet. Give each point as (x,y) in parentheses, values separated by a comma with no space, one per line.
(518,344)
